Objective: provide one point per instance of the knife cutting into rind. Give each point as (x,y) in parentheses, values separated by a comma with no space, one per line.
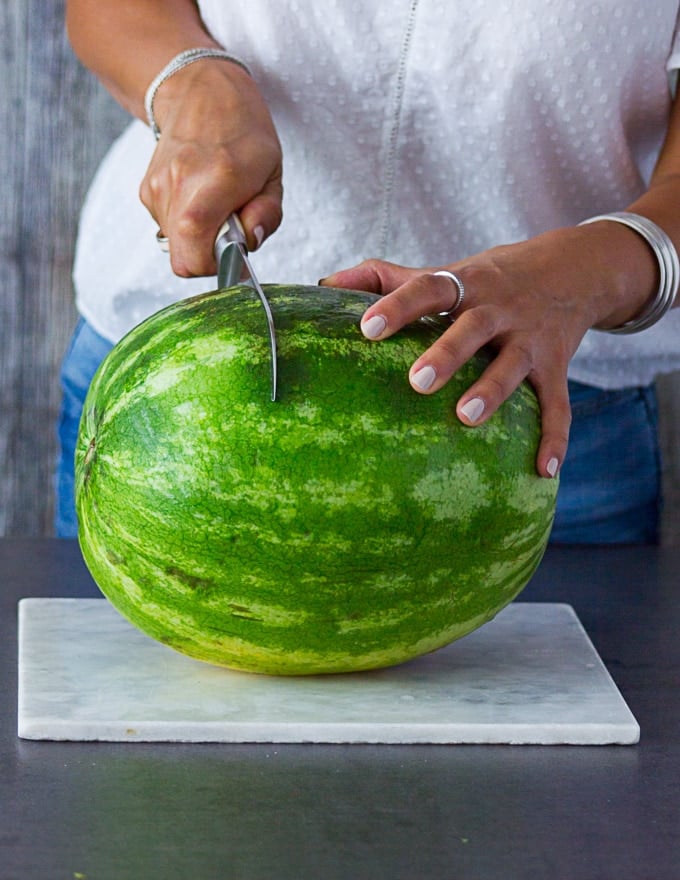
(231,253)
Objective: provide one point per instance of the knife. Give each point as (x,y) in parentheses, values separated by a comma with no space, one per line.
(231,253)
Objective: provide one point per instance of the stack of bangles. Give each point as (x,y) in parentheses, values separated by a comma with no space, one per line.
(669,269)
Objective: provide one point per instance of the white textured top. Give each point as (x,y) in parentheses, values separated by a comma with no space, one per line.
(419,131)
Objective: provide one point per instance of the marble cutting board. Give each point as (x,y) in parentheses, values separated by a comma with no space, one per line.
(530,676)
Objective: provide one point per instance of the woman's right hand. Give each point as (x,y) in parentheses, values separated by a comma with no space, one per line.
(218,152)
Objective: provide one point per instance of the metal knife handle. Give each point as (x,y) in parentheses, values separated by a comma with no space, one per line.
(229,268)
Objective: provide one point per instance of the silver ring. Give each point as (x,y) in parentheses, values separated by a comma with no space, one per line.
(163,242)
(460,294)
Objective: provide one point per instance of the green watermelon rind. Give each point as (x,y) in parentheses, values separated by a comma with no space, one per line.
(352,524)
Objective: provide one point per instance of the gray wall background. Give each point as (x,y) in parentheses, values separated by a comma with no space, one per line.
(55,124)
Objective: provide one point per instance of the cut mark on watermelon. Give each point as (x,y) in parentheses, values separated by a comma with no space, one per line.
(245,613)
(88,461)
(89,455)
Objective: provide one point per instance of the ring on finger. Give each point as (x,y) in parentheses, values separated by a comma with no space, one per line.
(460,292)
(163,242)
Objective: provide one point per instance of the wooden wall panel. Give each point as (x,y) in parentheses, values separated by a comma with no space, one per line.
(55,124)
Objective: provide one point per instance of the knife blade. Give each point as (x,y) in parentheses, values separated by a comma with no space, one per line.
(231,253)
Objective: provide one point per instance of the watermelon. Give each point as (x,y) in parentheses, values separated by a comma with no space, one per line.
(350,525)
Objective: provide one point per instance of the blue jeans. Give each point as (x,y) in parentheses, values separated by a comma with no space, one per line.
(610,484)
(86,351)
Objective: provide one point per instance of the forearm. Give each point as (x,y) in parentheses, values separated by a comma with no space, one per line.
(127,42)
(633,267)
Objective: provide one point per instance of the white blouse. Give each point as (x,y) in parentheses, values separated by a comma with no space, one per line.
(419,131)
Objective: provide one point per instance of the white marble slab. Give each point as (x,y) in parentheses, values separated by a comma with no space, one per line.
(529,676)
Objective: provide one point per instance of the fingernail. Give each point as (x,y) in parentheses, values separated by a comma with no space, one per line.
(552,466)
(258,232)
(473,409)
(424,378)
(321,281)
(373,327)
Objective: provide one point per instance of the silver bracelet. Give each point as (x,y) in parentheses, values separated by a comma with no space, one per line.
(177,63)
(669,268)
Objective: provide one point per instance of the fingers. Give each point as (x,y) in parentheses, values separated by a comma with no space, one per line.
(497,383)
(374,276)
(191,199)
(457,345)
(517,359)
(412,293)
(182,198)
(527,345)
(555,421)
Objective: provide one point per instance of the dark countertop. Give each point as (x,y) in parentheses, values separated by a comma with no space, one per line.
(107,811)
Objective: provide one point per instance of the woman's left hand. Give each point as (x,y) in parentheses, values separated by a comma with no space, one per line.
(531,302)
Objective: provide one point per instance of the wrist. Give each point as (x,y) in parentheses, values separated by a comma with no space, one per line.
(641,271)
(629,273)
(181,72)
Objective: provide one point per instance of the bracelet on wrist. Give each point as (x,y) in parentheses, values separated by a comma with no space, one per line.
(669,269)
(177,63)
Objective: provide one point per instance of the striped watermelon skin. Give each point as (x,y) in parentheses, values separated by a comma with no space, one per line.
(352,524)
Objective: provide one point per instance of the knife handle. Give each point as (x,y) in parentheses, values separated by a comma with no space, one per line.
(231,230)
(230,265)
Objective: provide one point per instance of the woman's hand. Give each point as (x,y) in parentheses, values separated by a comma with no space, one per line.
(531,302)
(218,152)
